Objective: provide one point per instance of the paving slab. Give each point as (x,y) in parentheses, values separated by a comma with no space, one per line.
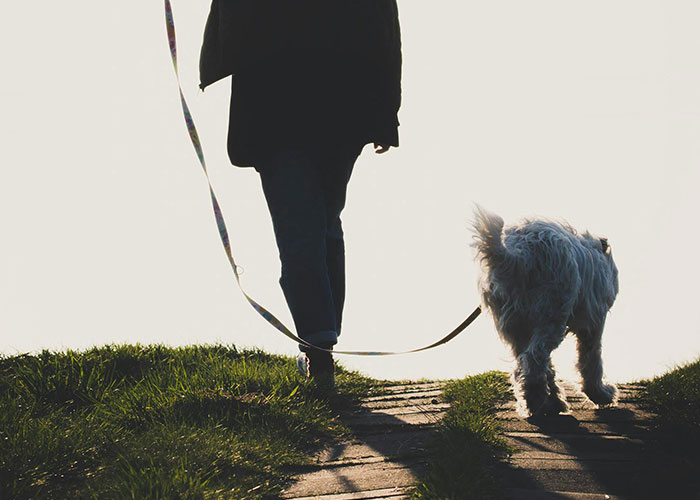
(585,415)
(381,419)
(565,426)
(413,387)
(397,445)
(574,444)
(604,457)
(356,478)
(581,403)
(406,409)
(623,483)
(388,493)
(423,397)
(523,494)
(553,462)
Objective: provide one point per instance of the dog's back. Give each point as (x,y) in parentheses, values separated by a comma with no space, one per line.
(525,241)
(529,267)
(538,266)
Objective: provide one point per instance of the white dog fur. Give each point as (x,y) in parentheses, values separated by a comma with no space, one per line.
(540,280)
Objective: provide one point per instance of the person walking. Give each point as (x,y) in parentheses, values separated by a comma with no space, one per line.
(313,82)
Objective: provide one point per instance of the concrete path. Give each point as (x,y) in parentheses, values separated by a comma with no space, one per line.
(386,454)
(588,455)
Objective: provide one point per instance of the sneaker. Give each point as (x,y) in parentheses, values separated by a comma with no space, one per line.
(317,365)
(303,365)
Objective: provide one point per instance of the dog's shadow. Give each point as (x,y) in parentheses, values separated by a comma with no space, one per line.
(595,449)
(551,424)
(609,415)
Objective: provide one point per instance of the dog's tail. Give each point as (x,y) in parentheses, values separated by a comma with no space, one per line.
(488,228)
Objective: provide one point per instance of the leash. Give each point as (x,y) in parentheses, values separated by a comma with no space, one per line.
(223,232)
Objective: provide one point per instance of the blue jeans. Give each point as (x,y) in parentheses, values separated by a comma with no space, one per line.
(305,191)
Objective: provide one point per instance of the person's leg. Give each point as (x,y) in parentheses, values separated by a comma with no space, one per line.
(294,191)
(337,168)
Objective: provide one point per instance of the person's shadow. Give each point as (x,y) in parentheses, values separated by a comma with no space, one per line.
(387,446)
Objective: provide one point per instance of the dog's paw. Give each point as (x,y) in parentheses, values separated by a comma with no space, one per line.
(536,403)
(529,409)
(602,394)
(555,405)
(552,406)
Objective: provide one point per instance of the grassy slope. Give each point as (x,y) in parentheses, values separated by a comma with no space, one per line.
(215,422)
(155,422)
(675,399)
(467,444)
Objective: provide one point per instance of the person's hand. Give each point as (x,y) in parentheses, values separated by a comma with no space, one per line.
(381,148)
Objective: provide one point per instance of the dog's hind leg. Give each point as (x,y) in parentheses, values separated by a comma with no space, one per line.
(556,403)
(534,370)
(590,365)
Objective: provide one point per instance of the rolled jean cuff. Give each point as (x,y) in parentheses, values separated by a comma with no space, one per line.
(327,337)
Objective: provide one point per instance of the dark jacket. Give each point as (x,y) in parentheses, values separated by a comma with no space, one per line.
(305,72)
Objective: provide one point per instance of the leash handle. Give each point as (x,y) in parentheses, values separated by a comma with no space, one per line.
(223,232)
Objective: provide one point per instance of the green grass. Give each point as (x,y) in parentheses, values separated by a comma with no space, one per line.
(675,436)
(132,422)
(675,398)
(205,422)
(467,444)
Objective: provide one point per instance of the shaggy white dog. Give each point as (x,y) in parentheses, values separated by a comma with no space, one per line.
(540,280)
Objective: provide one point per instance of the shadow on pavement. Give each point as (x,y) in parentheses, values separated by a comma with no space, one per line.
(589,451)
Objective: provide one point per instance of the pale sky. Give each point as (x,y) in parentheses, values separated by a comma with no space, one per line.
(586,111)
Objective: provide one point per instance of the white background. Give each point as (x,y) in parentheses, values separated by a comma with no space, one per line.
(586,111)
